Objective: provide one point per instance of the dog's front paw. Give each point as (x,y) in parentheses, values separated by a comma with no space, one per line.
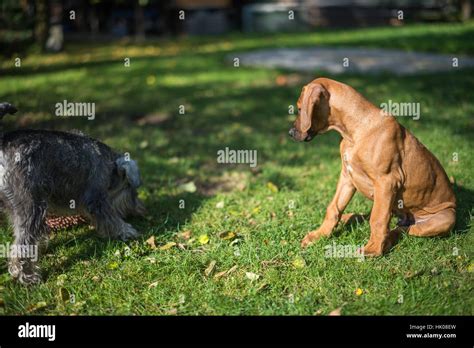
(311,237)
(372,249)
(128,233)
(29,278)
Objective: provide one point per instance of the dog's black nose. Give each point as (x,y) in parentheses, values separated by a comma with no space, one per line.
(291,133)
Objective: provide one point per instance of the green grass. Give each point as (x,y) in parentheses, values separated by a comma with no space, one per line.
(242,108)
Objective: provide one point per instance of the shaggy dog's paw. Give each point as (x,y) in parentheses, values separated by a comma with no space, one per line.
(128,233)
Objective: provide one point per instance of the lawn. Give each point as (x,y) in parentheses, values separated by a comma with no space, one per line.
(226,237)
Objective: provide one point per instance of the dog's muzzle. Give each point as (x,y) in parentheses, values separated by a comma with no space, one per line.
(295,135)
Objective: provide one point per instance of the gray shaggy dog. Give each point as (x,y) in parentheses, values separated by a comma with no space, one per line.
(49,172)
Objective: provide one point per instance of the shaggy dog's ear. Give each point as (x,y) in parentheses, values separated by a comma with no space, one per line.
(128,168)
(7,108)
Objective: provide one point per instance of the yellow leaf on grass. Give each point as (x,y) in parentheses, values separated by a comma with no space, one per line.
(37,306)
(227,235)
(203,239)
(151,242)
(299,262)
(256,210)
(168,245)
(359,291)
(272,187)
(113,265)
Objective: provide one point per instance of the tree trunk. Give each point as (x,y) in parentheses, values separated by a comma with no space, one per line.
(41,22)
(465,10)
(139,22)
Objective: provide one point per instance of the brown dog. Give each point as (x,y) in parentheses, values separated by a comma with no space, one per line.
(380,159)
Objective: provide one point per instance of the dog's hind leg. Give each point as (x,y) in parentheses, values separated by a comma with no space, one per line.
(28,218)
(438,224)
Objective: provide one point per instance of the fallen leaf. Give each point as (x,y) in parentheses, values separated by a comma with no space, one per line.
(37,306)
(470,268)
(225,273)
(263,286)
(220,274)
(359,291)
(203,239)
(336,312)
(153,285)
(227,235)
(185,235)
(412,274)
(256,210)
(272,187)
(96,278)
(64,295)
(172,311)
(168,245)
(61,279)
(220,205)
(210,268)
(188,187)
(151,242)
(252,276)
(299,262)
(113,265)
(151,260)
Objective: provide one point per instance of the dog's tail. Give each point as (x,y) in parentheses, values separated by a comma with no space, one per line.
(7,108)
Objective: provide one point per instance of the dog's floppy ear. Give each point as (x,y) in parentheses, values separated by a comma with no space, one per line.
(312,95)
(129,168)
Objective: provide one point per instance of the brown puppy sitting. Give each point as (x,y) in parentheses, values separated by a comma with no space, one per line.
(380,159)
